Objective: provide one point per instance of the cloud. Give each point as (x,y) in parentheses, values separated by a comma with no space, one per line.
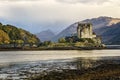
(19,0)
(63,1)
(83,1)
(34,17)
(38,15)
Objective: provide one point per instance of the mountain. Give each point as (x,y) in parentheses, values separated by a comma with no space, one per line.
(12,34)
(45,35)
(111,34)
(106,27)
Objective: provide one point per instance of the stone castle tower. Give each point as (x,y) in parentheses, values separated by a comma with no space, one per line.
(84,30)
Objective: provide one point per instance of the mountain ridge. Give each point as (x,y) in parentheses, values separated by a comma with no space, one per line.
(98,24)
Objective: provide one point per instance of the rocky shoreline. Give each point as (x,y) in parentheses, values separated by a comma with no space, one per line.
(102,72)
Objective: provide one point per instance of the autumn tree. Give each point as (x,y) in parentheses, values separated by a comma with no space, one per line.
(4,38)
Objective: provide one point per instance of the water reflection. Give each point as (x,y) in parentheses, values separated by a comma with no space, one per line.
(91,62)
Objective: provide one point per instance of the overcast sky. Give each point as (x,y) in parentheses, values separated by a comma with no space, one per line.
(39,15)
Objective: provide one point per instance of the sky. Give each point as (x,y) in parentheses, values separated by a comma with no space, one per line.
(39,15)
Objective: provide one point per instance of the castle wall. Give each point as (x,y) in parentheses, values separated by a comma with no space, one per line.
(85,30)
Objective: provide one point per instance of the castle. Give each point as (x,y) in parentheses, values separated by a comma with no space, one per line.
(84,30)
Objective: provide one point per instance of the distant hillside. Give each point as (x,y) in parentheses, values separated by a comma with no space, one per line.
(12,34)
(45,35)
(107,27)
(110,34)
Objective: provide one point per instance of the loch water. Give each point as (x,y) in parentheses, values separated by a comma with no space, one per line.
(20,65)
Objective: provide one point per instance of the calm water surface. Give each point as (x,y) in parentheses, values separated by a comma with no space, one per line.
(26,56)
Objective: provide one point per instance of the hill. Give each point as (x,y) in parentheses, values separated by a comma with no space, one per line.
(11,34)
